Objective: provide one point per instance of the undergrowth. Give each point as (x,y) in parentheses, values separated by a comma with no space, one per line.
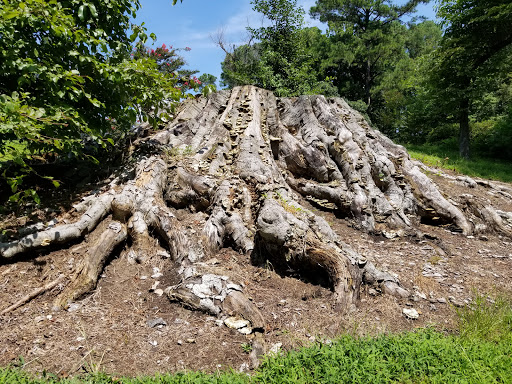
(480,353)
(445,155)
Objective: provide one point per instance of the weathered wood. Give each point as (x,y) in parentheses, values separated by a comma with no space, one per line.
(88,271)
(249,160)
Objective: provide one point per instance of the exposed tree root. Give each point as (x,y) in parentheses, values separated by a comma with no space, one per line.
(248,160)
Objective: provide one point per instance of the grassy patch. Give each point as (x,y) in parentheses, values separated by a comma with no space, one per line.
(445,155)
(480,354)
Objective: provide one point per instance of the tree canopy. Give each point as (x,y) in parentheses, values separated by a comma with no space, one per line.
(68,71)
(477,35)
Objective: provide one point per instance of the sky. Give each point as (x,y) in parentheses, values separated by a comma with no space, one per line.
(196,23)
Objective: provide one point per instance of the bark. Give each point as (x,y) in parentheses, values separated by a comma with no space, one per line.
(250,161)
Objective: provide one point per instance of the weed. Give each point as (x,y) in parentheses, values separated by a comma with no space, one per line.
(486,319)
(434,260)
(246,347)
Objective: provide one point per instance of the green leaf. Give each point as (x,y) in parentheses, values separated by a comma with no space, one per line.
(34,195)
(81,13)
(93,10)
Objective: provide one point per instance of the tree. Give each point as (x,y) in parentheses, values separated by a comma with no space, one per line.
(474,45)
(65,74)
(279,60)
(247,162)
(367,38)
(405,111)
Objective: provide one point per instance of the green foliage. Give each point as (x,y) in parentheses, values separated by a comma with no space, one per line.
(474,50)
(280,60)
(367,41)
(486,319)
(66,75)
(444,154)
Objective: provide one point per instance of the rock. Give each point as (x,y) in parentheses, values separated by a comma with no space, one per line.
(156,273)
(411,313)
(163,254)
(159,292)
(153,323)
(442,300)
(236,323)
(191,341)
(245,330)
(455,302)
(73,307)
(275,349)
(153,287)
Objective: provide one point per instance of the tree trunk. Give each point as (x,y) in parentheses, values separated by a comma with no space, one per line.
(464,129)
(250,161)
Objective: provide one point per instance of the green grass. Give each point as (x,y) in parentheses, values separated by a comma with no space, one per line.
(445,155)
(480,353)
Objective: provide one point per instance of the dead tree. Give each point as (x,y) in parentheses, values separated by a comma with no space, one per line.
(249,160)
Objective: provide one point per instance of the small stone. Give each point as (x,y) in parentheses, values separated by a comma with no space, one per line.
(80,338)
(180,342)
(164,254)
(159,292)
(236,322)
(38,319)
(219,323)
(156,273)
(442,300)
(153,323)
(191,341)
(373,292)
(245,330)
(275,349)
(153,287)
(411,313)
(455,302)
(154,343)
(143,277)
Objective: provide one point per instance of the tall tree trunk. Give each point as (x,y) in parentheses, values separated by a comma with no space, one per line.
(464,129)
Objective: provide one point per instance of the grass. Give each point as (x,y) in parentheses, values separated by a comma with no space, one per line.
(445,155)
(480,353)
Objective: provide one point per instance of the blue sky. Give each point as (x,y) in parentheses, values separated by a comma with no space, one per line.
(193,23)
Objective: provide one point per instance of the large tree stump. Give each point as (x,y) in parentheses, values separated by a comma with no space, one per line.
(249,160)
